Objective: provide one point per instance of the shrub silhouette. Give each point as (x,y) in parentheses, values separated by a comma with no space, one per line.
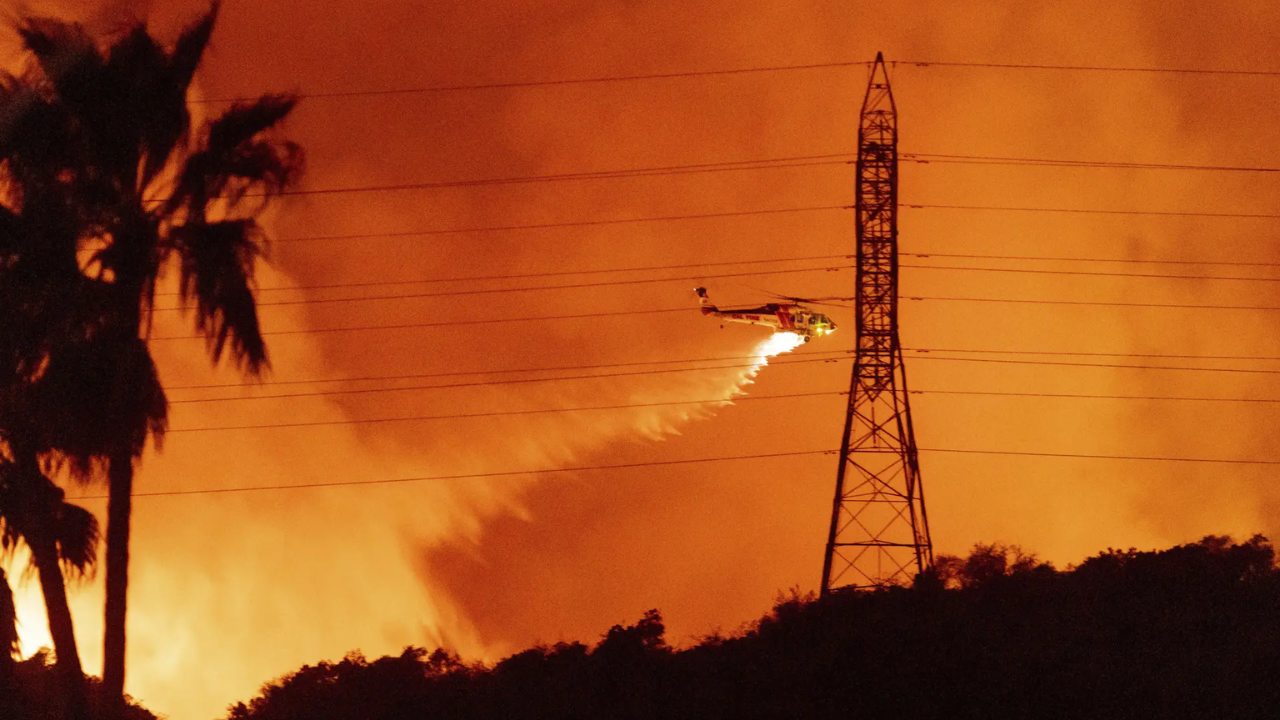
(1188,632)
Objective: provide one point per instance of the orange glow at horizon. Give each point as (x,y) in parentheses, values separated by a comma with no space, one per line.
(229,591)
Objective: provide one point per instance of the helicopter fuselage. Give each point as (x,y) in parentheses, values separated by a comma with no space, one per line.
(782,317)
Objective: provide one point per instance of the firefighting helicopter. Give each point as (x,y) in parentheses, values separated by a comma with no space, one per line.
(790,316)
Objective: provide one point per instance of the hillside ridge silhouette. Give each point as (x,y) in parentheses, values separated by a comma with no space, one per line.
(1188,632)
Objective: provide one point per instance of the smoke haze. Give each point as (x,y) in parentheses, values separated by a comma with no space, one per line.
(229,591)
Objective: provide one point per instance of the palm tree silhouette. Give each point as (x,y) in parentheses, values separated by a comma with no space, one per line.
(144,191)
(49,326)
(62,538)
(8,628)
(8,650)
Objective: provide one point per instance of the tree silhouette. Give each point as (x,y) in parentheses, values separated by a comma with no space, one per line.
(8,627)
(45,421)
(8,649)
(61,537)
(145,190)
(1189,632)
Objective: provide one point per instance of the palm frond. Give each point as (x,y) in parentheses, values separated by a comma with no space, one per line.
(148,110)
(235,158)
(77,534)
(190,46)
(217,269)
(244,122)
(67,57)
(82,409)
(11,508)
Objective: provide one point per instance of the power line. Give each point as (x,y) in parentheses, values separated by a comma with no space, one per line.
(468,476)
(1085,456)
(797,258)
(499,413)
(1095,354)
(1076,396)
(704,276)
(1093,273)
(574,286)
(515,381)
(656,463)
(1093,211)
(558,273)
(725,167)
(829,356)
(1057,363)
(1087,68)
(1045,258)
(794,161)
(544,226)
(728,166)
(625,313)
(1091,303)
(509,85)
(442,323)
(517,84)
(545,368)
(928,158)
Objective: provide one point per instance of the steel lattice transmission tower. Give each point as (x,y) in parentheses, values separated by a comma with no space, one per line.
(879,529)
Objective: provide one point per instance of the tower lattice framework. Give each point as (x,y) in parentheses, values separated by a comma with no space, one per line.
(879,530)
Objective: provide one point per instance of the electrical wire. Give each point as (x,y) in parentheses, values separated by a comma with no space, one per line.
(510,85)
(467,476)
(1090,303)
(545,368)
(928,158)
(795,258)
(832,356)
(627,313)
(1093,211)
(705,276)
(517,84)
(656,463)
(727,166)
(558,273)
(814,356)
(1090,273)
(1047,258)
(574,286)
(1056,363)
(1167,356)
(775,260)
(441,323)
(498,413)
(516,381)
(1162,398)
(1087,68)
(1086,456)
(544,226)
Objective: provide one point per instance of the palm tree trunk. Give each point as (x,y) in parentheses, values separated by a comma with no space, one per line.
(119,509)
(9,706)
(44,552)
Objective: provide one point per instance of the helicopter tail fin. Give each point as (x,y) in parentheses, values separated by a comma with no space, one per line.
(704,301)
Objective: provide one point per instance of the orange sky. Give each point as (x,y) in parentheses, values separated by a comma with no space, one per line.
(232,590)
